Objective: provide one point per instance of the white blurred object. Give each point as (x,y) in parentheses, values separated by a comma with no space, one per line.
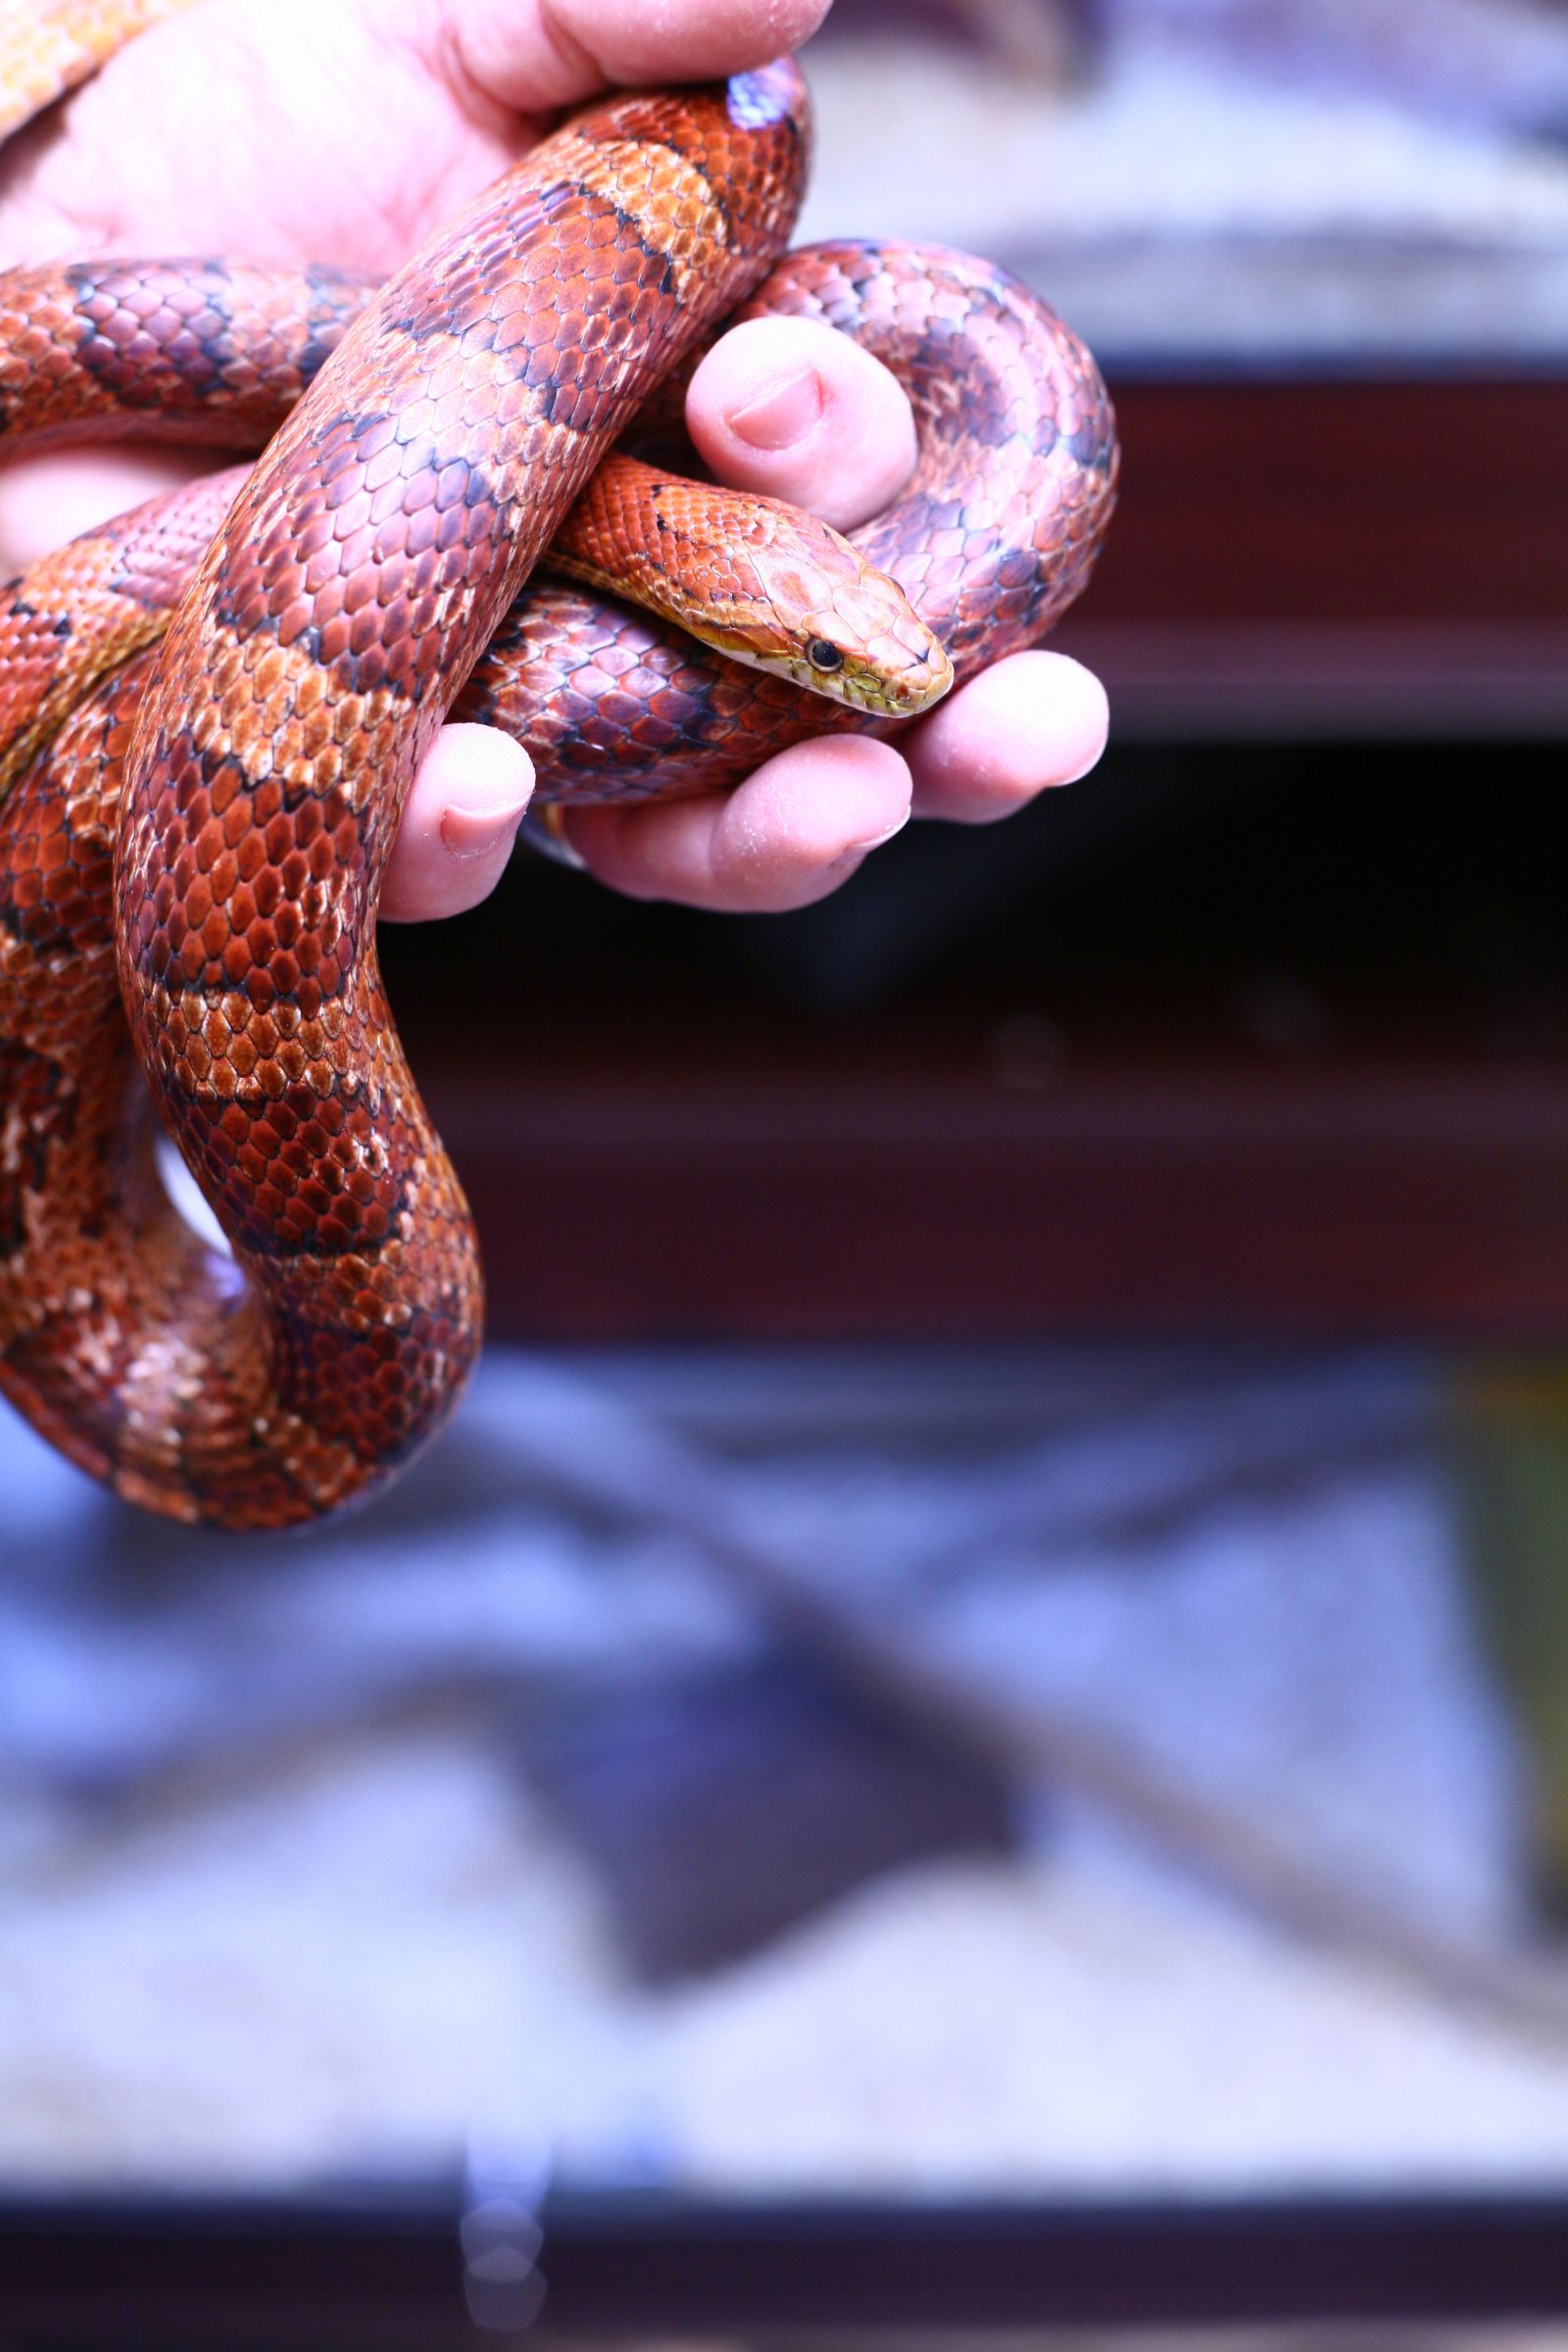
(376,1947)
(1496,62)
(1189,198)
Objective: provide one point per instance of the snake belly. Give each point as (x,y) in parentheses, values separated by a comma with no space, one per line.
(253,754)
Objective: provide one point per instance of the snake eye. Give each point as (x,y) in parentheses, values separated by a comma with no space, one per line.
(822,655)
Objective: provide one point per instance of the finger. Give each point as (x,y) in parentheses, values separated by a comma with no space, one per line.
(1031,720)
(459,826)
(791,409)
(48,499)
(791,833)
(556,52)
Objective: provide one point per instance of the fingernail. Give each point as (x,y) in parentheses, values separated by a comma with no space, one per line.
(472,832)
(1087,770)
(872,841)
(545,830)
(782,416)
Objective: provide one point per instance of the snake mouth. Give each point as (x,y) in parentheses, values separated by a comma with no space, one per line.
(883,680)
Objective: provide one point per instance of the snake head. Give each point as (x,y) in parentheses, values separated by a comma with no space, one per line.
(764,582)
(832,622)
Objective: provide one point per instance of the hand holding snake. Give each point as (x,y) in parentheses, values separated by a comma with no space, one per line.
(985,757)
(362,129)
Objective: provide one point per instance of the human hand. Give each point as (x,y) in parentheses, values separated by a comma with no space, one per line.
(345,130)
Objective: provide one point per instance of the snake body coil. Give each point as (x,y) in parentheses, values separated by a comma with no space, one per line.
(237,745)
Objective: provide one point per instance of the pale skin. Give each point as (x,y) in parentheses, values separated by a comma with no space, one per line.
(347,129)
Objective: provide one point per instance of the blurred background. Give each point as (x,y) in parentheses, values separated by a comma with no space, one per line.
(970,1727)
